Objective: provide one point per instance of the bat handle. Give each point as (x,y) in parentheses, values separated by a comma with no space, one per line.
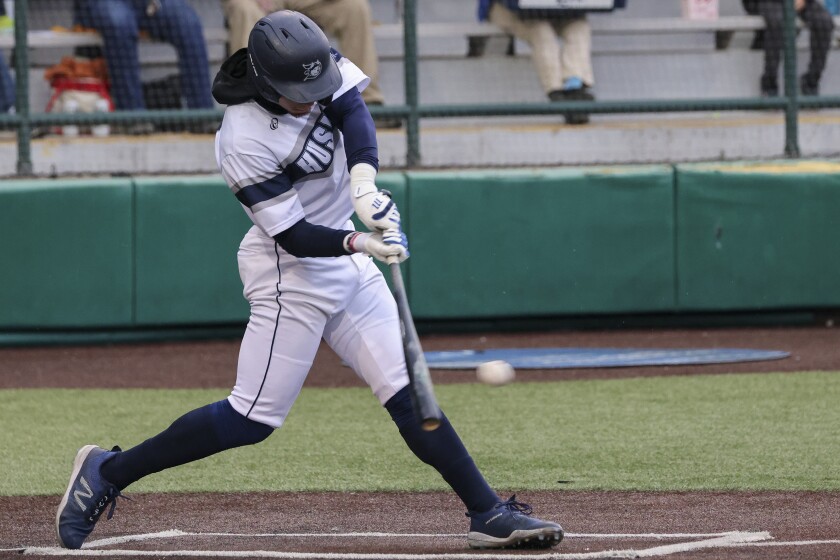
(393,259)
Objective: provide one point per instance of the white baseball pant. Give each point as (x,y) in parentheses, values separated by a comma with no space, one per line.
(296,302)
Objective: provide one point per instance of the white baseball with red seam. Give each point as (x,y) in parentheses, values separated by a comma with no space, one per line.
(496,372)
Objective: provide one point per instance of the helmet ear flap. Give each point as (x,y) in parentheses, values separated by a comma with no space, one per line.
(262,86)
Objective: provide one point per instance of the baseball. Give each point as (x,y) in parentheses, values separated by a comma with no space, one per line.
(497,372)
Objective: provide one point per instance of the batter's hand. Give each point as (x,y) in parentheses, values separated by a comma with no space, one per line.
(373,207)
(392,243)
(376,209)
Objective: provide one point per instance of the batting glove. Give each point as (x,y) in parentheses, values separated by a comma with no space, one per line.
(374,207)
(386,247)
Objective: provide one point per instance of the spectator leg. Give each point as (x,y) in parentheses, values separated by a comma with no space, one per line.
(175,22)
(773,14)
(116,21)
(576,54)
(540,35)
(350,21)
(241,17)
(821,27)
(7,87)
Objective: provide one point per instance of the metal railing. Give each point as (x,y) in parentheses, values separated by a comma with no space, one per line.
(24,120)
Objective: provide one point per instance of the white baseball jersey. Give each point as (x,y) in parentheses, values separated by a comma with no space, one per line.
(287,167)
(283,169)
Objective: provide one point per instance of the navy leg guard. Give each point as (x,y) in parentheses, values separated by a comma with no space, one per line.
(203,432)
(443,450)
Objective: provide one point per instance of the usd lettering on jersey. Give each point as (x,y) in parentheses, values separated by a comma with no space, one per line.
(317,153)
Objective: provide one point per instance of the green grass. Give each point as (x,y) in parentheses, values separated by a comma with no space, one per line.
(763,431)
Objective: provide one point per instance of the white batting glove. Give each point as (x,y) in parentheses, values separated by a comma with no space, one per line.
(373,206)
(392,246)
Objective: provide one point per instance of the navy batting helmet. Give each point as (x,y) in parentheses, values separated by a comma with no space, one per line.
(290,57)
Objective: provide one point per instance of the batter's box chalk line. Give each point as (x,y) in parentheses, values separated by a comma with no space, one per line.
(732,539)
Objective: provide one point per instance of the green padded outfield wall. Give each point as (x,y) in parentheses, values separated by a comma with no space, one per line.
(65,253)
(99,253)
(188,231)
(758,235)
(543,242)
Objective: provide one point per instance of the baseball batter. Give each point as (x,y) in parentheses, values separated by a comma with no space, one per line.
(298,149)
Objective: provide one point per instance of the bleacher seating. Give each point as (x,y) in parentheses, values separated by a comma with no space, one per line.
(53,39)
(673,56)
(653,32)
(647,51)
(477,34)
(633,64)
(49,41)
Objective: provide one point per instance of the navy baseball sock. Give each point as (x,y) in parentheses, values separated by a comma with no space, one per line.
(195,435)
(443,450)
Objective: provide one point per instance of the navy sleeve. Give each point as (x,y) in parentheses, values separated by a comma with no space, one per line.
(350,114)
(309,240)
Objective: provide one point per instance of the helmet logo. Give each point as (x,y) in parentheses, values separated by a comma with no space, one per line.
(311,70)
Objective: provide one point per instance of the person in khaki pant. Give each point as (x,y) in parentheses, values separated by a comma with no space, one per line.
(347,20)
(565,74)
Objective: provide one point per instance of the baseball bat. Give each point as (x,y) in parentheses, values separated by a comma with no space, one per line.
(420,381)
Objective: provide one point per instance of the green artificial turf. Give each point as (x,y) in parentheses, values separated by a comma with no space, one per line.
(746,432)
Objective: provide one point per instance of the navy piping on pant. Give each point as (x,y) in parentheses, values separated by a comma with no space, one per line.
(273,337)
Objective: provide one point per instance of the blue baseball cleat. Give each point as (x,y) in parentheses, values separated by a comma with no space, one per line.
(86,497)
(510,525)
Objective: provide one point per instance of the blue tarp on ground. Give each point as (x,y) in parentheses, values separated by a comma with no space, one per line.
(557,358)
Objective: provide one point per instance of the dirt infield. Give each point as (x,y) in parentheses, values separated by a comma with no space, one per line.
(595,521)
(684,525)
(213,363)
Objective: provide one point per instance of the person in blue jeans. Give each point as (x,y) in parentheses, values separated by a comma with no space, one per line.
(173,21)
(7,88)
(7,85)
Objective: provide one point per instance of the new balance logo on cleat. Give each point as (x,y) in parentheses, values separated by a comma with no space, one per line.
(86,496)
(78,494)
(510,525)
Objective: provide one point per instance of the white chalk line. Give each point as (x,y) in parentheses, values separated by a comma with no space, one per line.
(793,543)
(733,539)
(140,537)
(178,533)
(719,540)
(728,539)
(325,555)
